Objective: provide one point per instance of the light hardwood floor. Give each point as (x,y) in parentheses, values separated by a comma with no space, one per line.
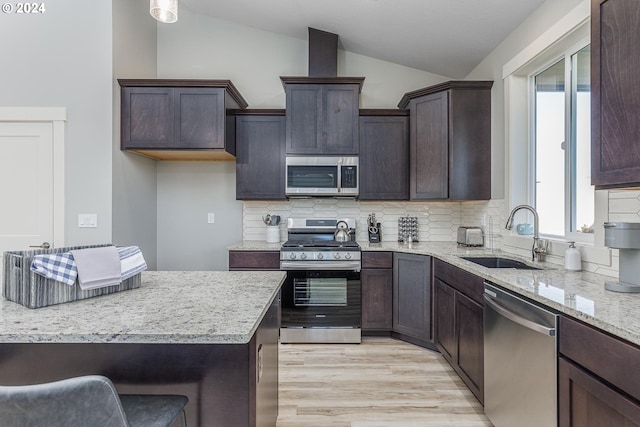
(380,383)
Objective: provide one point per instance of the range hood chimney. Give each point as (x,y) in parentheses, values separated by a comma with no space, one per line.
(323,53)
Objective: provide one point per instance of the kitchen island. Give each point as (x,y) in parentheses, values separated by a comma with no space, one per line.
(211,336)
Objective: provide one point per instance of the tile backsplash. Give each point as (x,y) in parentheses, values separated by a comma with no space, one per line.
(437,221)
(624,205)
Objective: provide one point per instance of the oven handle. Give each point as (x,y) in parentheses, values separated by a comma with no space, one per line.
(301,265)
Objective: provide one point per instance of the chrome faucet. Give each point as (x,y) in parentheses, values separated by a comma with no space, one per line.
(540,246)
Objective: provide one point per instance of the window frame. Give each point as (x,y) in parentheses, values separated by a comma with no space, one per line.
(569,136)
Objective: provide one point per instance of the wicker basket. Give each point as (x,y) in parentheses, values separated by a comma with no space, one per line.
(25,287)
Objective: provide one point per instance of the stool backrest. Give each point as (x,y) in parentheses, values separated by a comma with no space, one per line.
(88,401)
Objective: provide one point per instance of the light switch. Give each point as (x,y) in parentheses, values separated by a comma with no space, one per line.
(211,218)
(87,220)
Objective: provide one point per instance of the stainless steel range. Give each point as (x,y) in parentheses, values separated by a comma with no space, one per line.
(321,295)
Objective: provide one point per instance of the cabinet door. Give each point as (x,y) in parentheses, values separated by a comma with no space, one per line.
(429,171)
(615,61)
(412,295)
(470,343)
(377,297)
(260,157)
(470,144)
(199,118)
(254,260)
(585,401)
(304,107)
(384,158)
(444,320)
(322,118)
(147,117)
(339,121)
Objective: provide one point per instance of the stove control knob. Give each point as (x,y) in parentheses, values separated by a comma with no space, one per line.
(348,255)
(303,256)
(320,256)
(336,255)
(292,255)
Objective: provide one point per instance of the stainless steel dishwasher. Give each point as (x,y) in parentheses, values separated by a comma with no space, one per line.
(520,361)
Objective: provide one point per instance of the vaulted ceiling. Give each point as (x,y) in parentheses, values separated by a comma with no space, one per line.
(445,37)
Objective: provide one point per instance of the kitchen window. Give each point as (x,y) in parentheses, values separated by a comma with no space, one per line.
(560,123)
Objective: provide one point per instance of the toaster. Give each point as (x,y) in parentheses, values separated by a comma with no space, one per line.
(470,236)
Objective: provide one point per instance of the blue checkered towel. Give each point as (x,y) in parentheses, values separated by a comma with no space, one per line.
(62,267)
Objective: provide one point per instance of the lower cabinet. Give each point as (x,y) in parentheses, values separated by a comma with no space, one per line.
(458,323)
(412,298)
(587,401)
(598,378)
(376,280)
(254,260)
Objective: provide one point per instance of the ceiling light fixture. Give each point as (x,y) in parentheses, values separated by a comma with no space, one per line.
(164,10)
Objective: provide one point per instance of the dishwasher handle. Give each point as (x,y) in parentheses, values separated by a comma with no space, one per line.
(518,319)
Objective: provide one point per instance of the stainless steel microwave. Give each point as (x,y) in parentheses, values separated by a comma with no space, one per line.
(322,176)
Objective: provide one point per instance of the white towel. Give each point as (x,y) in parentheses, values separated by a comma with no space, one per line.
(98,267)
(131,261)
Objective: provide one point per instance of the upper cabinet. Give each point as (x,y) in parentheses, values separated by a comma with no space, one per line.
(260,160)
(450,141)
(322,115)
(179,119)
(384,155)
(615,93)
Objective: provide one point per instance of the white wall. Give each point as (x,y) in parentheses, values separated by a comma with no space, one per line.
(491,69)
(62,58)
(203,47)
(134,177)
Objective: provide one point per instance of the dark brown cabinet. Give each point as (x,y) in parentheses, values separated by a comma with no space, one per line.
(322,115)
(615,93)
(384,157)
(450,141)
(376,280)
(586,401)
(458,323)
(260,158)
(173,119)
(254,260)
(412,297)
(598,378)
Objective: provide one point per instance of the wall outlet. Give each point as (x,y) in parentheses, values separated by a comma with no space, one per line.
(211,218)
(87,220)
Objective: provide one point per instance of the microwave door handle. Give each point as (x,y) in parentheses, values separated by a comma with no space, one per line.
(339,177)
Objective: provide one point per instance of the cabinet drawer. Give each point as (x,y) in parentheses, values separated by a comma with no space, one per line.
(377,260)
(609,358)
(254,260)
(464,282)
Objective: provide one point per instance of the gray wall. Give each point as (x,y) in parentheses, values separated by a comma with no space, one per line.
(187,192)
(63,58)
(134,177)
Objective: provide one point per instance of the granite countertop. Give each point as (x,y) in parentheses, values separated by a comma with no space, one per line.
(580,295)
(255,245)
(175,307)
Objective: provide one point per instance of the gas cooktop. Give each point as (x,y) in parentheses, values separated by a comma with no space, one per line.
(351,245)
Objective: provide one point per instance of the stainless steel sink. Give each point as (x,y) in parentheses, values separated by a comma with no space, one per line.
(499,262)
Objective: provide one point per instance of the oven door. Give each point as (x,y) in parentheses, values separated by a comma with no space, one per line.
(321,304)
